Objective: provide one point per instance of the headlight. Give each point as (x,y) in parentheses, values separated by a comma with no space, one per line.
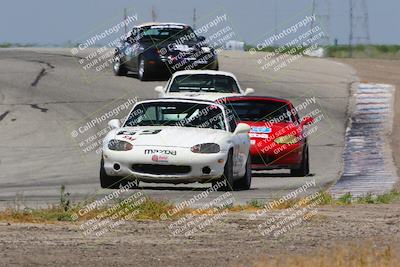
(119,145)
(206,49)
(287,139)
(205,148)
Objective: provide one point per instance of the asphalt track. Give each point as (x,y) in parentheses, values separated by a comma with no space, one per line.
(45,94)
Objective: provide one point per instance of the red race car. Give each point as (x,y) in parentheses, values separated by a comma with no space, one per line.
(278,138)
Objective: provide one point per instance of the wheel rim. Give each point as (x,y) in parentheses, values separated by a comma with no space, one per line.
(141,67)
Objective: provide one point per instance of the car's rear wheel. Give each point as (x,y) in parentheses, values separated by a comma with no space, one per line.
(118,67)
(227,177)
(143,74)
(244,182)
(110,182)
(304,168)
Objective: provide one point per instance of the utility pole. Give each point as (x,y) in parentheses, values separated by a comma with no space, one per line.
(275,19)
(194,19)
(125,17)
(351,30)
(153,14)
(312,13)
(359,24)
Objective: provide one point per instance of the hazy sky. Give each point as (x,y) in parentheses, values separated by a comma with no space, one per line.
(56,22)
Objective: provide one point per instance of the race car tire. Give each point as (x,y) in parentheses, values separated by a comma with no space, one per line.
(110,182)
(244,182)
(304,169)
(217,67)
(228,174)
(143,74)
(118,67)
(214,68)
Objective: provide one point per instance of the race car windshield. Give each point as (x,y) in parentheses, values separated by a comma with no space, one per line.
(179,114)
(204,83)
(161,33)
(266,111)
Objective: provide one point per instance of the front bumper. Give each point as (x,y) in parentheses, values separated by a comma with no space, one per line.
(136,165)
(185,63)
(283,157)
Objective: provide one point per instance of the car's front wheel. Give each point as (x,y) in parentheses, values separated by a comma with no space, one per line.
(304,168)
(118,67)
(227,177)
(244,182)
(110,182)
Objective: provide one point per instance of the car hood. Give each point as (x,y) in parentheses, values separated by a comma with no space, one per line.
(263,130)
(201,95)
(167,136)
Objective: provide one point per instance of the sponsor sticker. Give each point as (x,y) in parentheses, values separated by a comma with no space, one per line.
(129,137)
(257,135)
(183,48)
(145,132)
(160,151)
(159,158)
(124,132)
(260,129)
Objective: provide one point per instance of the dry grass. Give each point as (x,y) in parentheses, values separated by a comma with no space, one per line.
(152,209)
(149,209)
(354,255)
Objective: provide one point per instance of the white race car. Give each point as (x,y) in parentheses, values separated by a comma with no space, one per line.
(177,141)
(202,84)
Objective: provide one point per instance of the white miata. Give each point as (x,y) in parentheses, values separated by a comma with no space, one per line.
(177,141)
(201,84)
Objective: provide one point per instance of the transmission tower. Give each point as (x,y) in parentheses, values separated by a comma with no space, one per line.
(322,10)
(359,24)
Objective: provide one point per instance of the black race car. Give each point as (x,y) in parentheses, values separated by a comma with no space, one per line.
(157,48)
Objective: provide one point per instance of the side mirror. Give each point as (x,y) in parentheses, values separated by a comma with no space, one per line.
(307,120)
(249,91)
(114,123)
(159,89)
(201,38)
(242,128)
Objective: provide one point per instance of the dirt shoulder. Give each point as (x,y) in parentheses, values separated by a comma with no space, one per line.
(382,71)
(235,240)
